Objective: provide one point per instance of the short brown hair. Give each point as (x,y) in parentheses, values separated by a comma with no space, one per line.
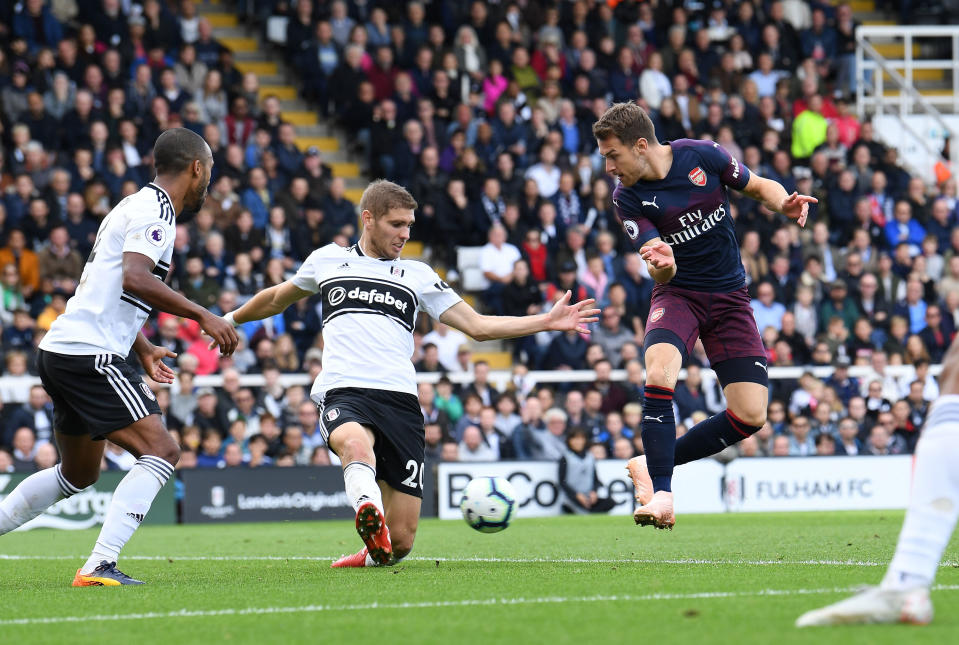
(381,196)
(627,121)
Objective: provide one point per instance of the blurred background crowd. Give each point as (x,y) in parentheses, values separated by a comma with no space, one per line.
(483,110)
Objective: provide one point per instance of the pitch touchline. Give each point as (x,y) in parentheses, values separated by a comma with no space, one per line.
(255,611)
(327,558)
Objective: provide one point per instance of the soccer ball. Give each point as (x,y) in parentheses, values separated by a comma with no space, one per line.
(488,504)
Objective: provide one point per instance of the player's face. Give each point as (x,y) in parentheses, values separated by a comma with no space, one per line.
(387,235)
(627,163)
(199,187)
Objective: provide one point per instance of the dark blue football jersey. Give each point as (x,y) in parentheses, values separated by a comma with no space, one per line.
(689,210)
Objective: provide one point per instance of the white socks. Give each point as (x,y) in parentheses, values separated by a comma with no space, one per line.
(34,495)
(360,480)
(129,506)
(934,502)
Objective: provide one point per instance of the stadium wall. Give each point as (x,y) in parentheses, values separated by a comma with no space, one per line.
(88,508)
(220,496)
(742,485)
(778,484)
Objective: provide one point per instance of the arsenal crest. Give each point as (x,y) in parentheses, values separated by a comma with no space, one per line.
(657,314)
(698,176)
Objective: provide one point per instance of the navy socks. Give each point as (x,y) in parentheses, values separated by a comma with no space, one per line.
(659,435)
(711,436)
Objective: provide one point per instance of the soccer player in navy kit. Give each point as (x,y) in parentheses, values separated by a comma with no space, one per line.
(673,202)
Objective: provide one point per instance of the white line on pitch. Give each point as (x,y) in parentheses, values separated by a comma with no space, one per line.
(492,560)
(254,611)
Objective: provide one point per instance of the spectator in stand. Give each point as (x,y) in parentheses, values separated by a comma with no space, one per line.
(566,351)
(938,332)
(614,397)
(801,443)
(473,448)
(448,342)
(25,263)
(913,306)
(430,361)
(689,396)
(496,262)
(577,477)
(767,312)
(610,333)
(883,442)
(903,228)
(839,305)
(848,443)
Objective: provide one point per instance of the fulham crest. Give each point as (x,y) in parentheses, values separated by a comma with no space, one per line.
(333,414)
(698,176)
(631,229)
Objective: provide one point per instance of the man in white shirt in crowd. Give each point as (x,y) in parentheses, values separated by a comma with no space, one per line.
(546,173)
(496,262)
(448,342)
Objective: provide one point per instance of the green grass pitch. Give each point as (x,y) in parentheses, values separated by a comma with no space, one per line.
(715,579)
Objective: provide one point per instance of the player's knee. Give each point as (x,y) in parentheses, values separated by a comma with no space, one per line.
(80,479)
(752,413)
(402,542)
(658,374)
(355,449)
(663,362)
(655,375)
(168,452)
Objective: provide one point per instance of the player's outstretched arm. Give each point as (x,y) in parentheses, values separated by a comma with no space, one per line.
(773,196)
(139,280)
(268,302)
(562,317)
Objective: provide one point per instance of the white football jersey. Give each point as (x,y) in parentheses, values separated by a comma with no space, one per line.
(368,313)
(101,316)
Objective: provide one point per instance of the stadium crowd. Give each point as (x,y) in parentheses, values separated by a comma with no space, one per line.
(483,110)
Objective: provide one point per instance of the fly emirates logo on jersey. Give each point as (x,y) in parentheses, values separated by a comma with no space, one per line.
(694,224)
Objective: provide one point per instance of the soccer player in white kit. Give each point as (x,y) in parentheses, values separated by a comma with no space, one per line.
(903,594)
(366,393)
(82,362)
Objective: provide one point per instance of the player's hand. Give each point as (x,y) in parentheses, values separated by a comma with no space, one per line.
(660,255)
(796,207)
(153,365)
(566,317)
(222,332)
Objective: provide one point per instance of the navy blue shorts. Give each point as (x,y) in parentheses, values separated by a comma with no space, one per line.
(724,322)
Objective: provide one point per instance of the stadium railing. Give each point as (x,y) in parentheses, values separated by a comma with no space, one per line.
(906,117)
(500,378)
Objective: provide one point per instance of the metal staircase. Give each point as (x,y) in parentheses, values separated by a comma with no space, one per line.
(906,80)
